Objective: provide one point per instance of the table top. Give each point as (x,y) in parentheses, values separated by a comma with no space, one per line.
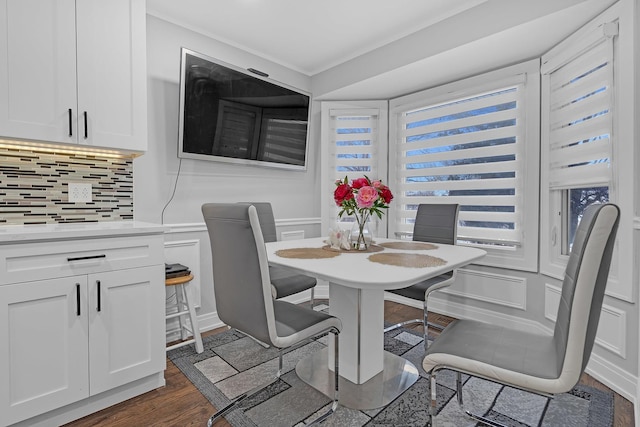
(355,269)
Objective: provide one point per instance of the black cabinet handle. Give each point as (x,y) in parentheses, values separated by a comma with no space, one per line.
(70,122)
(80,258)
(78,299)
(86,126)
(99,296)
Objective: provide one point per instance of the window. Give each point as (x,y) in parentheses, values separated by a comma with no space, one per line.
(577,138)
(468,143)
(354,138)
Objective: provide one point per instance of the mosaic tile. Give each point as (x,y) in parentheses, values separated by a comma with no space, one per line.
(33,187)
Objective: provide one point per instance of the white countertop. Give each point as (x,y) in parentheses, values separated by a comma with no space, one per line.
(81,230)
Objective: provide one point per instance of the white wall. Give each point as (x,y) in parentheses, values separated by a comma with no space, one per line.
(293,194)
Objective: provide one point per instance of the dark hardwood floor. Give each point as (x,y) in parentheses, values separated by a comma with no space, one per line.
(179,403)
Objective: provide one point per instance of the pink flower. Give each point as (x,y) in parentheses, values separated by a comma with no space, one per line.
(376,184)
(366,197)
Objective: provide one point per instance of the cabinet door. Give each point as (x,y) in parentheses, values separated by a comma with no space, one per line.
(112,78)
(38,70)
(43,346)
(127,327)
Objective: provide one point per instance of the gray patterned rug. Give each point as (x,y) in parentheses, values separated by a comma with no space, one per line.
(232,364)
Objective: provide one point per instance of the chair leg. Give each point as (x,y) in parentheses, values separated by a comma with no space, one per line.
(336,393)
(476,417)
(215,417)
(433,402)
(312,302)
(279,364)
(428,324)
(403,324)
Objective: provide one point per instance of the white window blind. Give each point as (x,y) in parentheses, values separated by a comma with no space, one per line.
(580,119)
(466,150)
(353,145)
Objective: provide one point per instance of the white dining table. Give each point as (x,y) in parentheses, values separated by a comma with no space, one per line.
(369,376)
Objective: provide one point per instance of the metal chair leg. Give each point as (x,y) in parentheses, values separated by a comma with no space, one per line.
(312,301)
(476,417)
(215,417)
(336,394)
(428,324)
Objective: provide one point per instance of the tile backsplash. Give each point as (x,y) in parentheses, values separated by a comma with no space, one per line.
(34,187)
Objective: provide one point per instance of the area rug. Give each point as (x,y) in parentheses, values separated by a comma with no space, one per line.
(233,363)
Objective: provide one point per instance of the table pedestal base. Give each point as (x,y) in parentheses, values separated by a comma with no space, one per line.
(397,376)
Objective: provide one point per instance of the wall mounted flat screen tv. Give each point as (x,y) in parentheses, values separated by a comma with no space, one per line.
(228,114)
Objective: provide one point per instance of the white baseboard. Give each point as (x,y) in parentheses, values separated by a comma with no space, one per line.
(616,379)
(96,403)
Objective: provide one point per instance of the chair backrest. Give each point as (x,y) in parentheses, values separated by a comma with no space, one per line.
(267,220)
(436,223)
(583,289)
(241,281)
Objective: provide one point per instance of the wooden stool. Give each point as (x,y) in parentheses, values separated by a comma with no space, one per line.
(184,305)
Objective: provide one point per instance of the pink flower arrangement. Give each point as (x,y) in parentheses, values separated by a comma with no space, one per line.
(362,196)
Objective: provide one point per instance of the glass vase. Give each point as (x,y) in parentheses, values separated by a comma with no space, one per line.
(360,234)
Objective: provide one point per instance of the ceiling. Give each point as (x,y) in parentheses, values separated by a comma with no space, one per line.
(423,43)
(308,36)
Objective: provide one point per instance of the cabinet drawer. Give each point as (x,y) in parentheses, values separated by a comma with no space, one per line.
(51,259)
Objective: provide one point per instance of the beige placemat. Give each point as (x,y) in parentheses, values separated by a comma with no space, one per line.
(306,253)
(407,260)
(370,249)
(409,246)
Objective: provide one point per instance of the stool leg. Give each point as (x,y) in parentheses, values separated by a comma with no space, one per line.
(192,315)
(181,305)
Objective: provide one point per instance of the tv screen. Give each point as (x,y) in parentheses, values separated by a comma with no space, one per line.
(227,114)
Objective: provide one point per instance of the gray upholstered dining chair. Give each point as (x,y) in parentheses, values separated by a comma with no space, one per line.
(283,281)
(543,364)
(242,288)
(435,223)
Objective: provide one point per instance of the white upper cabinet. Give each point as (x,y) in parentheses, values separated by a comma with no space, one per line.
(74,72)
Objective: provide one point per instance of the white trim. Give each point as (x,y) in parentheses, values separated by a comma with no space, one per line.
(92,404)
(620,381)
(195,227)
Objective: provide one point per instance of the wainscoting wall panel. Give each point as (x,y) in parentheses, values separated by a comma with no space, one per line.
(612,327)
(499,289)
(292,235)
(185,252)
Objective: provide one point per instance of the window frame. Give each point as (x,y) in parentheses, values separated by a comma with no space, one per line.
(380,148)
(524,256)
(553,202)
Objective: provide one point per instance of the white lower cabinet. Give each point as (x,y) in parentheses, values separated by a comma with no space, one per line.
(124,339)
(71,344)
(44,352)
